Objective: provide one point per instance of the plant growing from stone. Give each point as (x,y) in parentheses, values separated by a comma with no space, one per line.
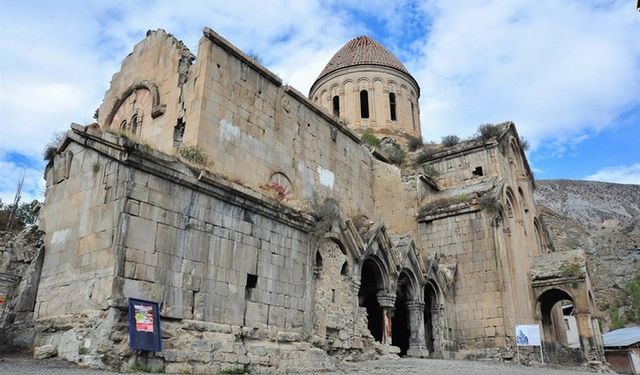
(413,143)
(193,154)
(450,140)
(488,131)
(370,139)
(51,147)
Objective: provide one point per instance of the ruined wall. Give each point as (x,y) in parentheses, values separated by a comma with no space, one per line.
(396,193)
(339,323)
(219,258)
(150,86)
(80,215)
(477,311)
(253,126)
(209,259)
(515,239)
(458,164)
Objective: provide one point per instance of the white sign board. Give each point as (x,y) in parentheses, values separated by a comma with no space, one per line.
(528,335)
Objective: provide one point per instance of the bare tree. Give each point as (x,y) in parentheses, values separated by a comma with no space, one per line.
(16,203)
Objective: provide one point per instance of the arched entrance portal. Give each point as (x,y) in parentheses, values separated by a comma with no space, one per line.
(370,284)
(401,331)
(554,327)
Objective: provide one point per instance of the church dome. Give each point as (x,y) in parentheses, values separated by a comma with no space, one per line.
(362,51)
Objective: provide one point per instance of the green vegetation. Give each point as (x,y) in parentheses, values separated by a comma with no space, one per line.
(141,367)
(488,131)
(450,140)
(490,204)
(413,143)
(425,155)
(51,147)
(615,319)
(632,295)
(142,144)
(24,215)
(431,171)
(95,166)
(370,139)
(629,304)
(397,156)
(442,203)
(193,154)
(571,268)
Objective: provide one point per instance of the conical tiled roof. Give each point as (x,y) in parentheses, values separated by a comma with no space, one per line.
(362,51)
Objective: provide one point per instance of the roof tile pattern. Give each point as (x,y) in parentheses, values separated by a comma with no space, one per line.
(362,51)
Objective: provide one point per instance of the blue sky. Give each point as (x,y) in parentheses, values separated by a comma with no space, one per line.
(566,72)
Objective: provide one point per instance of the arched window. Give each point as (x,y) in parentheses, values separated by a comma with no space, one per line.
(336,106)
(134,124)
(123,125)
(392,106)
(364,104)
(345,269)
(413,116)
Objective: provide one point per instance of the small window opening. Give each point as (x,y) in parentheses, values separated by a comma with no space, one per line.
(364,104)
(318,266)
(477,171)
(392,106)
(178,133)
(333,295)
(134,124)
(345,269)
(336,106)
(252,282)
(123,125)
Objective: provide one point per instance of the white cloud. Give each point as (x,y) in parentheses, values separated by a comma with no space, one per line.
(561,69)
(556,68)
(33,187)
(622,174)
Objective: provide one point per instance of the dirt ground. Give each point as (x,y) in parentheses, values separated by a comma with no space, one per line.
(22,365)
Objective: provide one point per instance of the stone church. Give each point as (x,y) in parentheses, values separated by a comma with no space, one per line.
(273,237)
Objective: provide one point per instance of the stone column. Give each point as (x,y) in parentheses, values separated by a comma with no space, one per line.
(387,302)
(417,344)
(585,330)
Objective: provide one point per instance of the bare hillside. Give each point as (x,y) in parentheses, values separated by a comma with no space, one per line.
(593,204)
(604,220)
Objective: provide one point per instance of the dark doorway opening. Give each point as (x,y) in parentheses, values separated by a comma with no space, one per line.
(370,283)
(430,304)
(400,331)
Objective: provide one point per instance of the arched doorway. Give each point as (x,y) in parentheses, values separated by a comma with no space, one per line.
(401,332)
(370,284)
(554,327)
(431,312)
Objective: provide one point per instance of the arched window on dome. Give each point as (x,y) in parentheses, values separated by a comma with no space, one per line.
(413,116)
(392,106)
(364,104)
(336,106)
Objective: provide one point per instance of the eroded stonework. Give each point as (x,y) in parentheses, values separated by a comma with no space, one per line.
(292,244)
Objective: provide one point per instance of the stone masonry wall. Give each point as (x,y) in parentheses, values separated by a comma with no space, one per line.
(227,265)
(340,325)
(477,310)
(252,126)
(80,215)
